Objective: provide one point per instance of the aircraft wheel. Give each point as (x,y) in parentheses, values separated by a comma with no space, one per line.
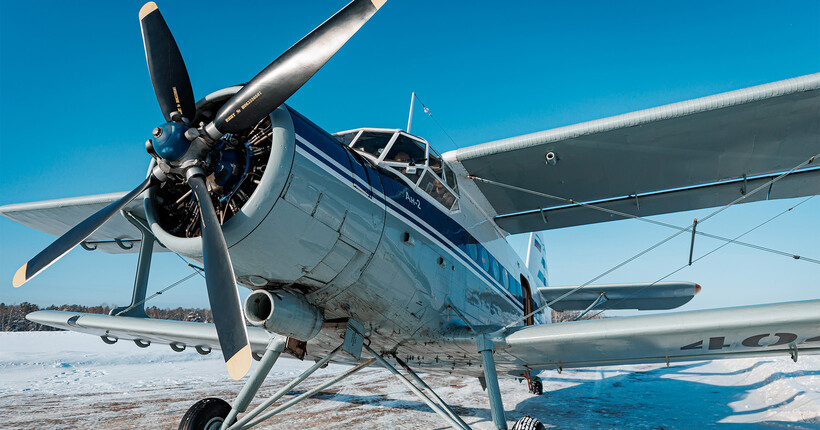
(206,414)
(537,386)
(528,423)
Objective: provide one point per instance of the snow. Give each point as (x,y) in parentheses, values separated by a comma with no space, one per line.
(71,380)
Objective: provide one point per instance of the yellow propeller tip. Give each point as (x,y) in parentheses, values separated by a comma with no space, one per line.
(239,364)
(147,8)
(378,3)
(20,276)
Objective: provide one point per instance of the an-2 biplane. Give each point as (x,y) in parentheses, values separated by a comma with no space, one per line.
(368,246)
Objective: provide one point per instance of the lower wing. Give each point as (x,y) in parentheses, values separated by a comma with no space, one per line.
(145,330)
(775,329)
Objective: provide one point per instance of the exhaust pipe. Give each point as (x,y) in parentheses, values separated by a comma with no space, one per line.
(284,313)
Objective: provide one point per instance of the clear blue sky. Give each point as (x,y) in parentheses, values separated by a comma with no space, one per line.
(76,105)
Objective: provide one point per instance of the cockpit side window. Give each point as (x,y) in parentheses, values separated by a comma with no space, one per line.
(372,142)
(433,185)
(346,138)
(450,179)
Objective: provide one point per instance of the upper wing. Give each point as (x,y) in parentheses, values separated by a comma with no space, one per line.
(56,217)
(699,153)
(777,329)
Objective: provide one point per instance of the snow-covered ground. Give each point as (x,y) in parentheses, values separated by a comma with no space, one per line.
(71,380)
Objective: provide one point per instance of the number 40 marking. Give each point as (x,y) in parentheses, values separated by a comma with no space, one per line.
(716,343)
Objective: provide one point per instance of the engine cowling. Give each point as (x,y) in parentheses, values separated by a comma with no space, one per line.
(299,222)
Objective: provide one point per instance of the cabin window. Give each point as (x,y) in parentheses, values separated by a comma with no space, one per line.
(483,259)
(472,251)
(493,268)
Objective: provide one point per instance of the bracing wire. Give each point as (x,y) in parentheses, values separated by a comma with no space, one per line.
(197,271)
(640,218)
(661,242)
(711,252)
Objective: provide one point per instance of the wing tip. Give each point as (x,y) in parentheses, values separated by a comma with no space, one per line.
(239,364)
(147,8)
(20,276)
(378,3)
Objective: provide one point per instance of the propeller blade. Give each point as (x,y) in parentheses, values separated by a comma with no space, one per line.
(73,237)
(221,282)
(168,73)
(271,87)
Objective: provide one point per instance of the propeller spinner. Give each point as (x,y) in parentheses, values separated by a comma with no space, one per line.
(182,151)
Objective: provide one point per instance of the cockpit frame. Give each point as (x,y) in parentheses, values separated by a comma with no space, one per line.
(418,173)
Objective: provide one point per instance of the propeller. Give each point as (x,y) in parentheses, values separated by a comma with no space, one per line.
(77,234)
(168,73)
(286,74)
(182,152)
(221,282)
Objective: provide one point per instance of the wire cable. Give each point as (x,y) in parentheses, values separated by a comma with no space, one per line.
(676,234)
(639,218)
(710,252)
(430,114)
(197,271)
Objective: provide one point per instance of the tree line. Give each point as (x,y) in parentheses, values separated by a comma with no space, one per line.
(13,317)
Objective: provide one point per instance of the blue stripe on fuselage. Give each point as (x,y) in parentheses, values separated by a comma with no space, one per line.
(449,233)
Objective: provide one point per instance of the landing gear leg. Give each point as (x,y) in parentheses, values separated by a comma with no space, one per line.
(454,420)
(533,383)
(243,399)
(486,348)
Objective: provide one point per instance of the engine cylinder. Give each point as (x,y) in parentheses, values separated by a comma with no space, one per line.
(285,313)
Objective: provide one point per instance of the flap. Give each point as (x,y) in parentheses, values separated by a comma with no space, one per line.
(751,132)
(776,329)
(640,296)
(56,217)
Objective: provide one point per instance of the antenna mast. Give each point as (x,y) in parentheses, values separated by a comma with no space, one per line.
(410,118)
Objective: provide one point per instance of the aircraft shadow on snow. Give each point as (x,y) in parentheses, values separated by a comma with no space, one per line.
(636,399)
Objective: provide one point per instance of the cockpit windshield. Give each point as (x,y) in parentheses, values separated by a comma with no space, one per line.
(372,143)
(409,156)
(407,150)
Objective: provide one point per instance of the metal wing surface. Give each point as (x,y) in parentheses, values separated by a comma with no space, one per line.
(56,217)
(694,154)
(775,329)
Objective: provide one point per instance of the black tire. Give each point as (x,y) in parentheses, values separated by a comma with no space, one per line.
(206,414)
(528,423)
(537,386)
